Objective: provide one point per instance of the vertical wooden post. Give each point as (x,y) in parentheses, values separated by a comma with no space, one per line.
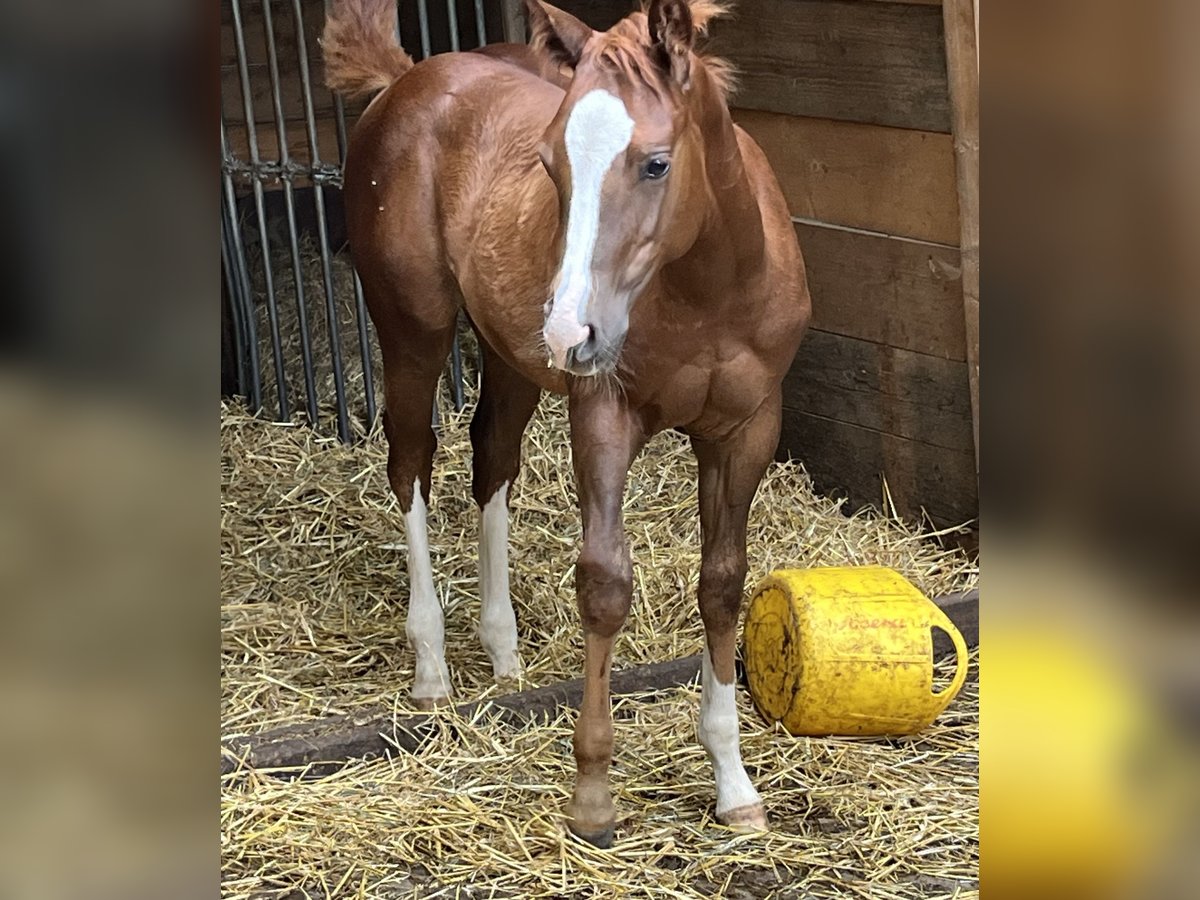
(962,67)
(514,21)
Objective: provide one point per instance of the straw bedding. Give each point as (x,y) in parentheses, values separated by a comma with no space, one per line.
(313,588)
(313,581)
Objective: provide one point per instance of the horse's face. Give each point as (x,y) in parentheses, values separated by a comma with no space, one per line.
(627,162)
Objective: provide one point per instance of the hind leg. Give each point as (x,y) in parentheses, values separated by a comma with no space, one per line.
(414,354)
(506,403)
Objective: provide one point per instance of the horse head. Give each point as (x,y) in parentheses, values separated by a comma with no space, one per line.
(626,156)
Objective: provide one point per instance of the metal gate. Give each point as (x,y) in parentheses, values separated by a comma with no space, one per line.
(297,342)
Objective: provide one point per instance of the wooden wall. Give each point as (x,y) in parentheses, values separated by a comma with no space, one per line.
(849,99)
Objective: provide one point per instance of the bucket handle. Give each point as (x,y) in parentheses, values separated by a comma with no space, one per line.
(948,693)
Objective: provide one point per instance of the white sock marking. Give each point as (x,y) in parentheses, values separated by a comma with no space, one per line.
(719,735)
(497,623)
(598,131)
(424,626)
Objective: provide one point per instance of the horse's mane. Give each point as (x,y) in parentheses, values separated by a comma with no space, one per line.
(626,48)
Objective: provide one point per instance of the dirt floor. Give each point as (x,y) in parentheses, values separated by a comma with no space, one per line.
(313,588)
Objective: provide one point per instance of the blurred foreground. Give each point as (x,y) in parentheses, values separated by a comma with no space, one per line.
(1090,430)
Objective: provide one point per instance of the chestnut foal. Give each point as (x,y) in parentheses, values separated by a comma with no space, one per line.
(588,201)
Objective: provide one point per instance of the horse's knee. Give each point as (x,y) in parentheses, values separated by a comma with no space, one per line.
(604,586)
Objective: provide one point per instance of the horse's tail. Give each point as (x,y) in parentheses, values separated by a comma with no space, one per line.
(361,47)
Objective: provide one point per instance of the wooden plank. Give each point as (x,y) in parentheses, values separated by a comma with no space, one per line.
(963,66)
(910,395)
(851,461)
(324,744)
(863,62)
(902,293)
(338,738)
(882,63)
(891,180)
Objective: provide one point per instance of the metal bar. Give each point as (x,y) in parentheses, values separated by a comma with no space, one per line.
(310,386)
(513,21)
(310,121)
(260,212)
(456,368)
(235,309)
(360,306)
(452,16)
(480,27)
(364,342)
(423,18)
(244,298)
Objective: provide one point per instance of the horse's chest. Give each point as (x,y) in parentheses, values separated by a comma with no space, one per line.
(709,394)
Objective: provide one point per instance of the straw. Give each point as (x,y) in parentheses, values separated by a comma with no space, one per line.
(313,600)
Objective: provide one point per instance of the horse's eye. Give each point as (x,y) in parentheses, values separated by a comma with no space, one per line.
(656,168)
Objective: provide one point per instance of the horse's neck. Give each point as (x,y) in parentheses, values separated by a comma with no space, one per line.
(729,249)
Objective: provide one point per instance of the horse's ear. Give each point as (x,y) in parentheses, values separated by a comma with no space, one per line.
(671,34)
(558,34)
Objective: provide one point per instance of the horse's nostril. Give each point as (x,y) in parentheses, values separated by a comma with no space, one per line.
(584,351)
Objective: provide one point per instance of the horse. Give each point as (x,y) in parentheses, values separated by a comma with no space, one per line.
(613,236)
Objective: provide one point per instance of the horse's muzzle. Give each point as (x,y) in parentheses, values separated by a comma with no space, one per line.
(587,357)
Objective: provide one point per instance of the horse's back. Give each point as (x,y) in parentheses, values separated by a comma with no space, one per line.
(439,198)
(430,153)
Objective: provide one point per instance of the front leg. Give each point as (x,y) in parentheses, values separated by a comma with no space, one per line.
(730,471)
(605,437)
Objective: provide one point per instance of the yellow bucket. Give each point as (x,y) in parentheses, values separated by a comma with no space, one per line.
(846,651)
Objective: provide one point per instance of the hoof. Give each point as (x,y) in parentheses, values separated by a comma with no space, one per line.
(601,839)
(509,674)
(429,704)
(745,818)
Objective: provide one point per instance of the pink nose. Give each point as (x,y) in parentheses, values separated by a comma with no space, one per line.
(563,333)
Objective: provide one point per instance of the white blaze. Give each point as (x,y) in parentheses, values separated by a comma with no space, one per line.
(424,625)
(598,131)
(497,624)
(719,735)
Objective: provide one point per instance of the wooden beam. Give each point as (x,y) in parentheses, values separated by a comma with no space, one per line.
(853,461)
(892,180)
(910,395)
(905,294)
(324,745)
(339,738)
(882,63)
(962,66)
